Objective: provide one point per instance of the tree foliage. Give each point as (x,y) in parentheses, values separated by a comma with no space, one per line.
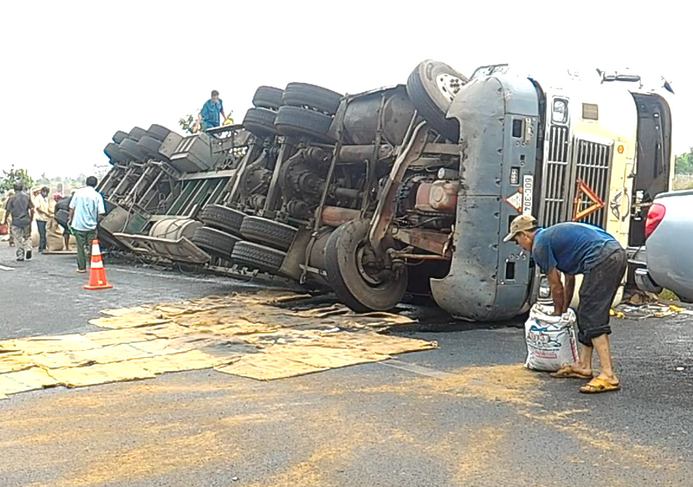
(15,175)
(684,163)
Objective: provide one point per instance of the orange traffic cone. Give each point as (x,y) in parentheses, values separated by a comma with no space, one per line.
(97,273)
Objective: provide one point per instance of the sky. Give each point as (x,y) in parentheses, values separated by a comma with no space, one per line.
(75,72)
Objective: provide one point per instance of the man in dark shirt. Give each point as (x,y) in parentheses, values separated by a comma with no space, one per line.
(21,209)
(577,248)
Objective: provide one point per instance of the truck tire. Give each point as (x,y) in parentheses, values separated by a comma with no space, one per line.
(119,136)
(158,132)
(137,133)
(268,97)
(132,150)
(431,89)
(360,291)
(260,122)
(114,153)
(150,147)
(258,257)
(268,232)
(215,242)
(299,122)
(223,218)
(311,96)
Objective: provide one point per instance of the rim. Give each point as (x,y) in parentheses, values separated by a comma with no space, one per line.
(449,85)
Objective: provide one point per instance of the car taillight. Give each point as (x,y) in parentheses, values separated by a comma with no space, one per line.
(654,218)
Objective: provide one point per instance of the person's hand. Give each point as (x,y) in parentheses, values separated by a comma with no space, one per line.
(556,313)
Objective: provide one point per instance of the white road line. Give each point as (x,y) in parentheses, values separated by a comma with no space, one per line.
(5,268)
(416,369)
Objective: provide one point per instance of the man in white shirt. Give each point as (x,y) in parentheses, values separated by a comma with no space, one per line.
(85,207)
(42,216)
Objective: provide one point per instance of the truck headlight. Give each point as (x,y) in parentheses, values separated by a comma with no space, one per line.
(559,111)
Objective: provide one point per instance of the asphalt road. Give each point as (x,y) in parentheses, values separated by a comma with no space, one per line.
(465,414)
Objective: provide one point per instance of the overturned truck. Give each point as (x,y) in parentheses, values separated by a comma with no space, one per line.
(400,191)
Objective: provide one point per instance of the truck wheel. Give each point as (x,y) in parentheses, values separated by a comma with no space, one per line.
(311,96)
(298,122)
(150,147)
(222,218)
(431,88)
(114,153)
(275,234)
(119,136)
(158,132)
(132,150)
(215,242)
(268,97)
(260,122)
(356,276)
(258,257)
(137,133)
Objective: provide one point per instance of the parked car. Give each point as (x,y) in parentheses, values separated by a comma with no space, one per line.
(669,233)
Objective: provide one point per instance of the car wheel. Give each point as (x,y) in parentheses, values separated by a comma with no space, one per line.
(158,132)
(275,234)
(215,242)
(223,218)
(356,276)
(150,146)
(311,96)
(137,133)
(299,122)
(431,88)
(114,153)
(119,136)
(259,257)
(268,97)
(260,122)
(132,150)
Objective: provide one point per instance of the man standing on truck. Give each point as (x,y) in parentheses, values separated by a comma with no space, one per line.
(576,248)
(21,209)
(85,207)
(209,115)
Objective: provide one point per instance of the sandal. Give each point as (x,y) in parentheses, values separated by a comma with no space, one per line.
(567,372)
(599,385)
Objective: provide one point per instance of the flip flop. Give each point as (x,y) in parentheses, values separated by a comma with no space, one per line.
(599,385)
(567,372)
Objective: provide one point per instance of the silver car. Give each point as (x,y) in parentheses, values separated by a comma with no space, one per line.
(669,232)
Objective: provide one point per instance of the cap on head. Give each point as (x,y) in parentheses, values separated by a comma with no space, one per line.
(522,223)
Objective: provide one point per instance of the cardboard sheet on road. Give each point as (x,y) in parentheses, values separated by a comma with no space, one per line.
(243,334)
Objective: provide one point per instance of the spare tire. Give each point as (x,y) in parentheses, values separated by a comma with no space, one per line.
(258,257)
(137,133)
(223,218)
(311,96)
(299,122)
(431,88)
(119,136)
(158,132)
(275,234)
(215,242)
(114,153)
(268,97)
(260,122)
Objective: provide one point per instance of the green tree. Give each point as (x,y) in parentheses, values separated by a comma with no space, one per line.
(15,175)
(684,163)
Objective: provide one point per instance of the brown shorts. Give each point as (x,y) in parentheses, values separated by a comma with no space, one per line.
(597,293)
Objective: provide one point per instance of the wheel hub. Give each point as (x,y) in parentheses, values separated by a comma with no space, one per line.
(449,85)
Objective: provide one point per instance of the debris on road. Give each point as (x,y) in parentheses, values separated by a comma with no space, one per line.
(243,334)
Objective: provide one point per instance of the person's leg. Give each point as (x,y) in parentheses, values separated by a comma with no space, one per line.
(17,233)
(606,370)
(42,235)
(81,238)
(28,244)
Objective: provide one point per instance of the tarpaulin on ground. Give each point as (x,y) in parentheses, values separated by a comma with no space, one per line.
(246,335)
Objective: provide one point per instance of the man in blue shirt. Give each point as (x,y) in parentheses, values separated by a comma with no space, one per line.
(210,112)
(577,248)
(86,206)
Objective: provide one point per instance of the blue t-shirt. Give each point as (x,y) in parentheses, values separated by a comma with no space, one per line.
(210,112)
(573,248)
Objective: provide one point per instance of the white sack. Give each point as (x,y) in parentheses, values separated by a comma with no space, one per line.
(551,341)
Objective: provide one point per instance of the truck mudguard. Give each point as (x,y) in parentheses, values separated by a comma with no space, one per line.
(489,279)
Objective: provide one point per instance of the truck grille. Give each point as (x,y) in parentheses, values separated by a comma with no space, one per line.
(592,161)
(554,178)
